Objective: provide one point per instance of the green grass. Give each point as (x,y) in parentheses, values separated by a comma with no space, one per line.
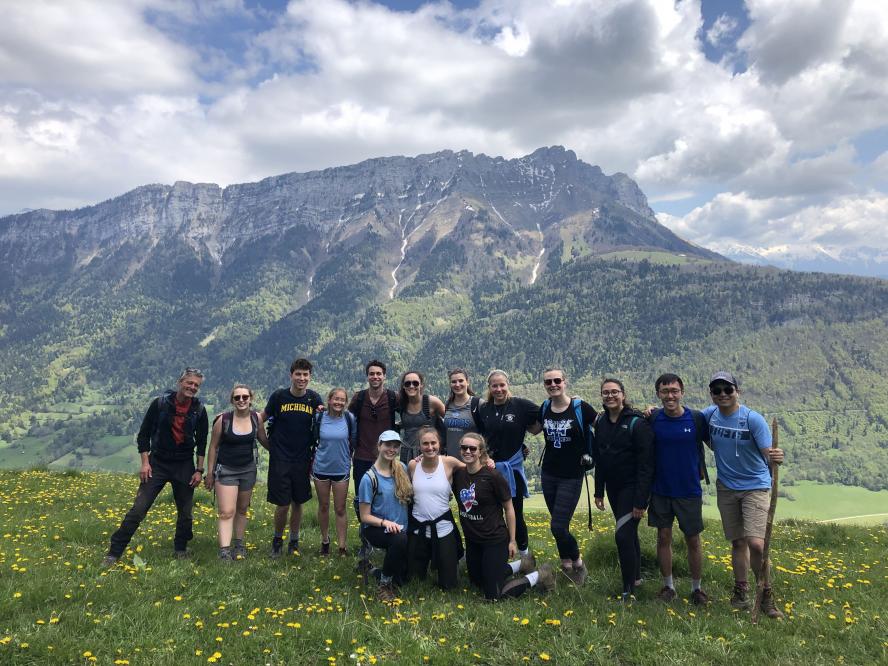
(58,606)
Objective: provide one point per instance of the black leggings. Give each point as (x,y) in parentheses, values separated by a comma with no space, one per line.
(395,563)
(561,497)
(488,565)
(626,534)
(518,504)
(419,554)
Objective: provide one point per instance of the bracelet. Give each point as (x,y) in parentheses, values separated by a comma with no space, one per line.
(382,522)
(199,469)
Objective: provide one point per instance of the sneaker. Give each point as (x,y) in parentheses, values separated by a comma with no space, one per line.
(528,564)
(546,581)
(277,547)
(740,597)
(666,595)
(109,560)
(325,548)
(768,607)
(239,552)
(181,554)
(292,546)
(387,592)
(577,575)
(699,598)
(225,555)
(343,552)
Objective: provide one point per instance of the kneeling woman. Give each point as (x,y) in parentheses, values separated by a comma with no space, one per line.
(433,535)
(383,496)
(231,469)
(624,468)
(488,522)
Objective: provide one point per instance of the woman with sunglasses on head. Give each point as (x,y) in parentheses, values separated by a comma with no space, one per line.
(624,468)
(417,409)
(231,469)
(433,536)
(460,410)
(505,420)
(383,496)
(567,426)
(336,434)
(488,521)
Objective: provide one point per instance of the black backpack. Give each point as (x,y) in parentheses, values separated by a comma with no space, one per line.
(361,395)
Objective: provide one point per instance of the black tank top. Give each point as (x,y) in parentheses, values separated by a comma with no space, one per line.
(236,450)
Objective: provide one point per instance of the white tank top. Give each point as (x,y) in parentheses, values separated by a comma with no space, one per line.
(431,497)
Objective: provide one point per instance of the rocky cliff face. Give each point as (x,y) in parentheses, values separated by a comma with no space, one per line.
(409,206)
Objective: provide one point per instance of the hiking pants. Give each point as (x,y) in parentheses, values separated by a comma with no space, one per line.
(395,545)
(626,534)
(178,474)
(561,497)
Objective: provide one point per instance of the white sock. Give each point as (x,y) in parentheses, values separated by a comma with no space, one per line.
(695,584)
(524,553)
(578,564)
(667,581)
(533,577)
(515,566)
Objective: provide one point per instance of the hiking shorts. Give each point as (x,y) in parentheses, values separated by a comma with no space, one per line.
(744,513)
(663,510)
(242,477)
(288,482)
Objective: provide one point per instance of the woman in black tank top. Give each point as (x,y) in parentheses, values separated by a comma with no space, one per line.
(231,469)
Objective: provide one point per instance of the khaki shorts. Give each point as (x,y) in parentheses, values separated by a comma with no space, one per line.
(744,513)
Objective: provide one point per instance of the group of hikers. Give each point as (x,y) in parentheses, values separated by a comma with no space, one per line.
(408,452)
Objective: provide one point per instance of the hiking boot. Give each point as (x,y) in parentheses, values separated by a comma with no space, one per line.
(277,547)
(740,597)
(292,546)
(225,555)
(699,597)
(768,607)
(387,592)
(546,581)
(577,574)
(325,548)
(528,564)
(666,595)
(239,552)
(109,560)
(181,554)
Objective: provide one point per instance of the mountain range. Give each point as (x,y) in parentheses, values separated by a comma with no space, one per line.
(438,260)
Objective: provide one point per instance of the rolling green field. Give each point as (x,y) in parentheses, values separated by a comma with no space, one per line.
(57,605)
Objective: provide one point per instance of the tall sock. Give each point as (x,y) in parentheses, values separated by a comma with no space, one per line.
(516,565)
(695,584)
(667,581)
(532,577)
(279,534)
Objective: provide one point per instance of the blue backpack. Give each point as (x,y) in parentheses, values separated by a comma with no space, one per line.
(578,413)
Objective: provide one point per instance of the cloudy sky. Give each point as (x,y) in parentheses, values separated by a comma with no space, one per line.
(761,123)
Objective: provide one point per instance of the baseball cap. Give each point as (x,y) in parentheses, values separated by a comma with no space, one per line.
(722,376)
(389,436)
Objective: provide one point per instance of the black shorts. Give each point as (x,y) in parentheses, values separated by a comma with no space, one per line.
(689,511)
(288,482)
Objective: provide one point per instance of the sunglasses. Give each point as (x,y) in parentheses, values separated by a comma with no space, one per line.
(240,398)
(468,448)
(411,384)
(611,394)
(555,380)
(718,390)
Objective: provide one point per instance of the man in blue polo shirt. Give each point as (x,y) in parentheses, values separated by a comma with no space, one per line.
(680,433)
(743,450)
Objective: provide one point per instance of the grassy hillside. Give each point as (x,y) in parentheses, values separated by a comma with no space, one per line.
(58,606)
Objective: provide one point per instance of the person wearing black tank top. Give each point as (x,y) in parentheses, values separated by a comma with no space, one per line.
(231,469)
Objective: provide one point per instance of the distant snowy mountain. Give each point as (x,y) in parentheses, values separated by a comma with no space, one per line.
(868,262)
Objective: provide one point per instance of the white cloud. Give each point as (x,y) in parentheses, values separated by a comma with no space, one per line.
(721,29)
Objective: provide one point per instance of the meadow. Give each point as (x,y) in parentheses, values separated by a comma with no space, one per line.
(58,605)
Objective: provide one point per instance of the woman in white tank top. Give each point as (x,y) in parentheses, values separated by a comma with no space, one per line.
(433,537)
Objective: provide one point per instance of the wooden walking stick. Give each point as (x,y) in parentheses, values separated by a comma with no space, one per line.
(764,577)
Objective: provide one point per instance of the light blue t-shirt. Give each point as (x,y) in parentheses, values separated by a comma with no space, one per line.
(736,442)
(385,505)
(333,455)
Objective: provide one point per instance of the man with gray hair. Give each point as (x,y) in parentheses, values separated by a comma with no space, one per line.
(174,426)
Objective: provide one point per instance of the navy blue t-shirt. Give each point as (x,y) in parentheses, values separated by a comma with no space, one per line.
(291,435)
(678,456)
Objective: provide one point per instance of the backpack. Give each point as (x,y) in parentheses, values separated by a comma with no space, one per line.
(228,417)
(436,422)
(361,395)
(702,437)
(578,413)
(163,410)
(351,422)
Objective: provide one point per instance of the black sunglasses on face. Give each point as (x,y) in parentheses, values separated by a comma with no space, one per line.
(240,398)
(468,448)
(411,384)
(555,380)
(718,390)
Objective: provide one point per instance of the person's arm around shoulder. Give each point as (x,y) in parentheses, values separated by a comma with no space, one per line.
(436,406)
(143,439)
(215,437)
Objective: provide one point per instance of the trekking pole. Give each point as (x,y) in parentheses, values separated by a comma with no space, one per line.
(764,577)
(588,500)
